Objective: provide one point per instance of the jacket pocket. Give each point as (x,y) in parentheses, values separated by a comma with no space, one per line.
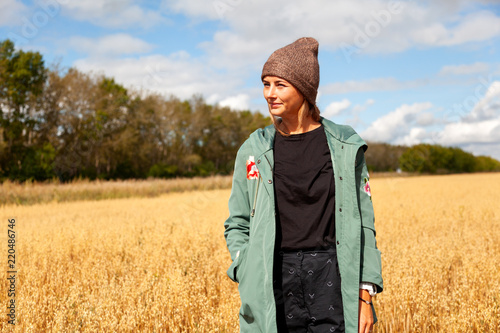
(234,270)
(240,270)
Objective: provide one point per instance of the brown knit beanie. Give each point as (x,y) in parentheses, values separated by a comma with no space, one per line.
(298,64)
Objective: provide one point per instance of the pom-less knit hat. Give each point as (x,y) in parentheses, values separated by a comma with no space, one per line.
(298,64)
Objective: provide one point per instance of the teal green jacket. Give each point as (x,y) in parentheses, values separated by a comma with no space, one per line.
(251,226)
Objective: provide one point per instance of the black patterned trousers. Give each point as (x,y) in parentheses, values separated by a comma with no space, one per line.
(307,292)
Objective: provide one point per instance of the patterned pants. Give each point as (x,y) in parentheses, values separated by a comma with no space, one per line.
(307,292)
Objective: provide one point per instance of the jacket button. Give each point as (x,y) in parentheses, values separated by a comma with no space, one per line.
(340,178)
(338,242)
(270,181)
(258,162)
(340,209)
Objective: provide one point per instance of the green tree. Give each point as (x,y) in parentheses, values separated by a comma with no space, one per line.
(22,77)
(486,163)
(415,159)
(437,159)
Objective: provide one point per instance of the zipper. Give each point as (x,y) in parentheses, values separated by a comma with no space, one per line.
(257,189)
(255,197)
(270,166)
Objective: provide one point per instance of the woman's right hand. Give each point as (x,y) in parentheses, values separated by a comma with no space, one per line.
(365,317)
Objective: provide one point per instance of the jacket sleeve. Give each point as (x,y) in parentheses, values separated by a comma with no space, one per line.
(237,225)
(371,264)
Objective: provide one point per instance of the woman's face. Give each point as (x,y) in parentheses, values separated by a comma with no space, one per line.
(283,99)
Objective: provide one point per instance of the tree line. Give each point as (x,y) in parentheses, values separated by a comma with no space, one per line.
(69,124)
(65,124)
(426,158)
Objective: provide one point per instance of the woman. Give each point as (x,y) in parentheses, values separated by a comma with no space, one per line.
(301,225)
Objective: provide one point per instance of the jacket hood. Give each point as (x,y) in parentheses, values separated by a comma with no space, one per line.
(263,138)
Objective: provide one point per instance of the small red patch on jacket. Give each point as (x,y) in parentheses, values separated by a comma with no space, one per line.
(252,171)
(367,188)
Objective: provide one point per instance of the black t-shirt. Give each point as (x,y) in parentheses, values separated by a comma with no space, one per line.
(305,191)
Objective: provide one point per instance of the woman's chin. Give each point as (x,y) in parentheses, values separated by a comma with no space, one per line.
(277,112)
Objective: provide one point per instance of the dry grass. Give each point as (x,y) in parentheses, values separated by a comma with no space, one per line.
(29,193)
(158,264)
(150,264)
(440,243)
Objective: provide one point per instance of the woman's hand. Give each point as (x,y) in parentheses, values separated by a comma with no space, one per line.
(365,318)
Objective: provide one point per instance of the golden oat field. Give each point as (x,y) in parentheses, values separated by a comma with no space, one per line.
(158,264)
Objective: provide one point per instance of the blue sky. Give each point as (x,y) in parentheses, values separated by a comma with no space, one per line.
(401,72)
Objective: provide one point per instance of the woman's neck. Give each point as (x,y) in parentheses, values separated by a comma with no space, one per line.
(292,126)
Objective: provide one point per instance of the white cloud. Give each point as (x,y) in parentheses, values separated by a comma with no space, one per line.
(480,126)
(238,102)
(250,30)
(425,119)
(393,84)
(177,74)
(358,108)
(335,108)
(11,12)
(477,132)
(112,13)
(377,84)
(474,27)
(378,28)
(236,52)
(488,107)
(396,126)
(354,118)
(416,136)
(117,44)
(463,133)
(478,67)
(198,9)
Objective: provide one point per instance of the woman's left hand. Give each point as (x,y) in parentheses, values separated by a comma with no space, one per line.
(365,318)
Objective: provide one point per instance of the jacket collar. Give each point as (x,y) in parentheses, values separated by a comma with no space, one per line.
(263,138)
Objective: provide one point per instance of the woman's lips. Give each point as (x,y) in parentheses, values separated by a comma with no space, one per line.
(275,105)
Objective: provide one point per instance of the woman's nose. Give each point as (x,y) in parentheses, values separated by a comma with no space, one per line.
(270,92)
